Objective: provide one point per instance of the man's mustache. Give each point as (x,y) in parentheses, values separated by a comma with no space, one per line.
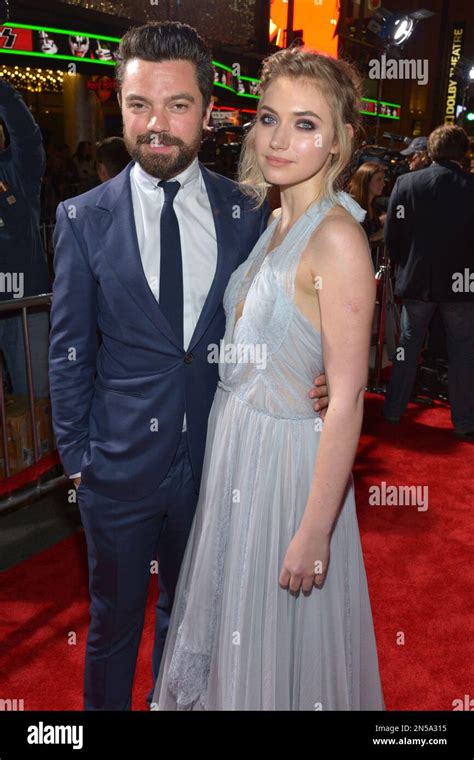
(159,138)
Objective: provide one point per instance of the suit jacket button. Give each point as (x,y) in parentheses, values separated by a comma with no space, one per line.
(188,358)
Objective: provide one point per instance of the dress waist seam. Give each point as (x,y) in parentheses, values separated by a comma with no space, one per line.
(228,389)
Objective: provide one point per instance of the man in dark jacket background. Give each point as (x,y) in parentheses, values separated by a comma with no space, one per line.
(23,267)
(430,237)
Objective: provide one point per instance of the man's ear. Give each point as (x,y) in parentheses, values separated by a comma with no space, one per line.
(119,98)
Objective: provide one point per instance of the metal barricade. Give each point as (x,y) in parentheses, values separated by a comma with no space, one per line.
(39,488)
(387,317)
(46,232)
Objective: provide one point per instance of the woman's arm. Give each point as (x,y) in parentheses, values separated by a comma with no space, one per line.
(346,299)
(341,259)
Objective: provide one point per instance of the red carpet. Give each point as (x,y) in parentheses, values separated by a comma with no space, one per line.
(418,565)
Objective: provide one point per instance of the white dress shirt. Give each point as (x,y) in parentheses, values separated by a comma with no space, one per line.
(196,230)
(197,234)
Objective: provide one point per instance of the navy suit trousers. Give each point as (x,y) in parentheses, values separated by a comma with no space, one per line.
(125,539)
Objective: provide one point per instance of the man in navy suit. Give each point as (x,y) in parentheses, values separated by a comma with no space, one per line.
(141,266)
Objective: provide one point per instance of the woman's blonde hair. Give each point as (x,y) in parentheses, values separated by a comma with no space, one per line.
(341,85)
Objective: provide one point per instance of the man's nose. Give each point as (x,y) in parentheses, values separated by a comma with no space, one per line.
(158,122)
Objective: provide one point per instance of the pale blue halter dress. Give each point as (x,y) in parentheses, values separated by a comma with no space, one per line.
(237,640)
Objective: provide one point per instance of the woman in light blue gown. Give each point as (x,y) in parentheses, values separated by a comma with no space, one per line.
(272,610)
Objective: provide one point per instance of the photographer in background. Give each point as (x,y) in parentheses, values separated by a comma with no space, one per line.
(417,154)
(23,267)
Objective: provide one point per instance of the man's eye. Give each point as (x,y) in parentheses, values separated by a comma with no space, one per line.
(266,119)
(136,105)
(181,106)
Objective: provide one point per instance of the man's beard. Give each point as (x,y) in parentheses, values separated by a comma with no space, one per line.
(166,165)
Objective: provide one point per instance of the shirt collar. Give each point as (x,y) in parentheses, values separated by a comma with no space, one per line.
(187,177)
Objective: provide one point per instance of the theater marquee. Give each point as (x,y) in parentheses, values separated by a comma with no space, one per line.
(452,89)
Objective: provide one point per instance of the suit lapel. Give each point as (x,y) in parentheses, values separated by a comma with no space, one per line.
(114,229)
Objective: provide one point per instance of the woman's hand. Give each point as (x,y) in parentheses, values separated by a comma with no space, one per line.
(306,561)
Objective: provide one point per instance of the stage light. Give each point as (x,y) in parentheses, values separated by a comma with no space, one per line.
(395,29)
(403,28)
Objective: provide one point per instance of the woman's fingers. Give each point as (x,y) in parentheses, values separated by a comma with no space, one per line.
(295,583)
(320,570)
(307,585)
(284,578)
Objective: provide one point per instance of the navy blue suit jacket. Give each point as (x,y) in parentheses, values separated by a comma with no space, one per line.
(120,382)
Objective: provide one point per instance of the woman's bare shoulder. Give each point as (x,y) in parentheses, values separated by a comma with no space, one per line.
(337,229)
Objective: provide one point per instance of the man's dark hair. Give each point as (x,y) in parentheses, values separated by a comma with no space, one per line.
(448,143)
(113,154)
(168,41)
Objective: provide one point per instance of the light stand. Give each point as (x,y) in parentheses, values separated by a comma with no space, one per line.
(393,31)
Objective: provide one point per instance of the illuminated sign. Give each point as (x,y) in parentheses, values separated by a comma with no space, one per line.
(59,44)
(66,45)
(386,110)
(232,79)
(452,87)
(51,43)
(315,19)
(223,117)
(102,87)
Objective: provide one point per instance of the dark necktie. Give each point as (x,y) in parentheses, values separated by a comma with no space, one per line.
(171,264)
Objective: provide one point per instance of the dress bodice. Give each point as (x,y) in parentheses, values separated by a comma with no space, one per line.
(272,353)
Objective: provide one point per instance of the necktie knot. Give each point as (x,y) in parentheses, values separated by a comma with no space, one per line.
(170,189)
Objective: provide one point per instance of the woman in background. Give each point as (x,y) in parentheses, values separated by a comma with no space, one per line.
(365,187)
